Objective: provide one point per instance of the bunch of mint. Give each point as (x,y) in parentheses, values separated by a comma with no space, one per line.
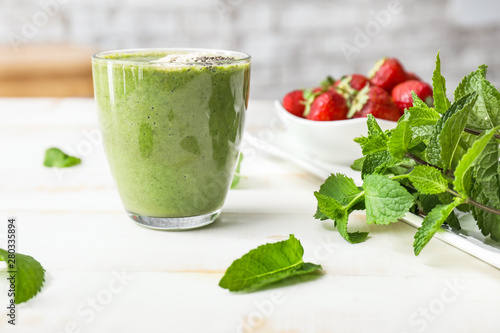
(436,160)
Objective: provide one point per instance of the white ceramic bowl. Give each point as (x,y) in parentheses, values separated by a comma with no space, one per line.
(331,141)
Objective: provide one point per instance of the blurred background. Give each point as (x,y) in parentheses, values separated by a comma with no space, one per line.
(46,44)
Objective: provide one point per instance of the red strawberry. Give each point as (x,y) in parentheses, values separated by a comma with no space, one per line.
(293,103)
(330,105)
(353,81)
(376,101)
(412,76)
(401,94)
(387,73)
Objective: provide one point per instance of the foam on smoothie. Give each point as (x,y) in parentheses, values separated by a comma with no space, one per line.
(187,59)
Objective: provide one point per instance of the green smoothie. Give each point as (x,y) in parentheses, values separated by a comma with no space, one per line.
(172,123)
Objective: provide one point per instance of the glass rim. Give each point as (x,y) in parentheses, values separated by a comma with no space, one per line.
(239,57)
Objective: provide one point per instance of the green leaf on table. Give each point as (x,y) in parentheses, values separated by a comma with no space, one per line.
(431,224)
(386,200)
(441,102)
(486,111)
(267,264)
(486,189)
(428,180)
(55,157)
(463,182)
(28,273)
(448,130)
(237,176)
(342,189)
(399,143)
(334,210)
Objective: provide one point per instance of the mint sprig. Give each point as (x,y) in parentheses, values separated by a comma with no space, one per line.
(29,275)
(267,264)
(437,159)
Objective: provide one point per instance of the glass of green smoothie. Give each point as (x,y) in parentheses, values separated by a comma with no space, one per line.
(172,123)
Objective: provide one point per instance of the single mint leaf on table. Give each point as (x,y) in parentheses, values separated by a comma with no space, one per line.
(267,264)
(55,157)
(486,111)
(385,199)
(341,188)
(333,210)
(463,183)
(448,130)
(431,224)
(237,176)
(441,102)
(399,143)
(428,180)
(29,276)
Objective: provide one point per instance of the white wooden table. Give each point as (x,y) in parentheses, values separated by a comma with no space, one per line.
(107,274)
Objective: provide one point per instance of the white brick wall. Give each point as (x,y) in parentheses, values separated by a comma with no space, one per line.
(293,43)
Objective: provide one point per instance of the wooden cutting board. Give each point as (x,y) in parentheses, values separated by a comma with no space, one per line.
(46,70)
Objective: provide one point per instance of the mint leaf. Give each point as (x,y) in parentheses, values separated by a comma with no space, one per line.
(421,134)
(342,189)
(378,163)
(29,277)
(428,180)
(448,130)
(486,189)
(418,103)
(486,111)
(335,211)
(385,199)
(422,115)
(372,144)
(373,127)
(237,176)
(357,165)
(462,183)
(431,224)
(399,143)
(267,264)
(54,157)
(441,102)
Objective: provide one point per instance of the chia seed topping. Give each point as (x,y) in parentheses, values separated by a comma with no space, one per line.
(193,58)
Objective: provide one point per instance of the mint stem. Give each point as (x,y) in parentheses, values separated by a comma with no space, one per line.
(472,131)
(353,201)
(475,203)
(421,161)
